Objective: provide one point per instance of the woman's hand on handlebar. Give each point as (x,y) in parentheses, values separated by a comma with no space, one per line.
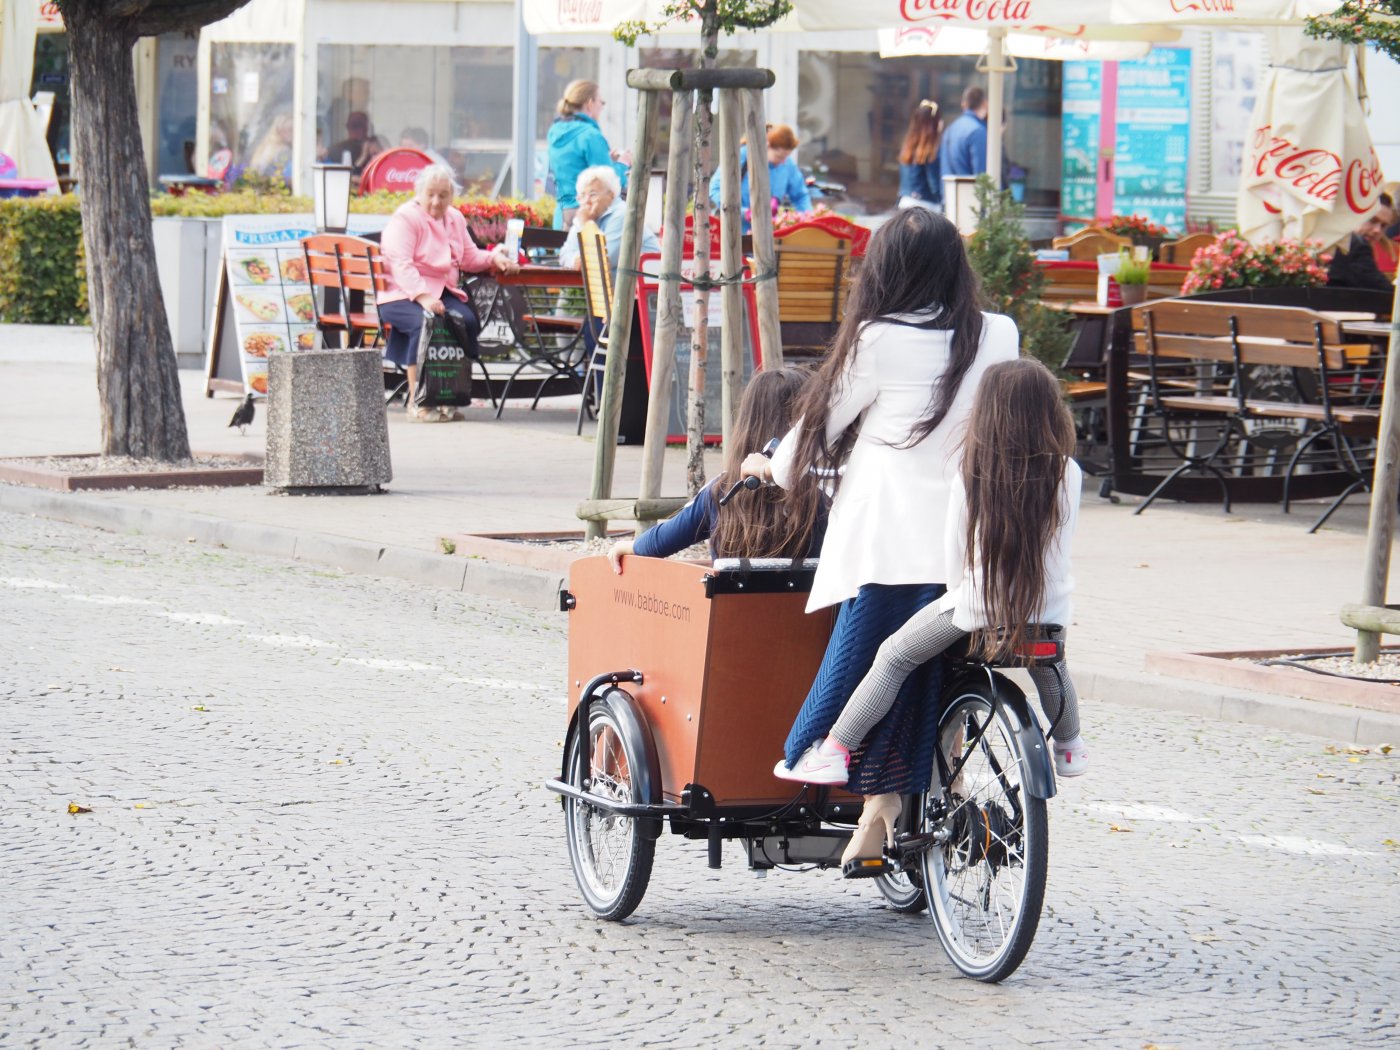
(616,553)
(757,465)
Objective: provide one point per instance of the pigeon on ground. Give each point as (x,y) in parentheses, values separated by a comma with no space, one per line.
(243,415)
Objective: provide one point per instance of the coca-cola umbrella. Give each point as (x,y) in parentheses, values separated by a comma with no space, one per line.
(1311,171)
(26,153)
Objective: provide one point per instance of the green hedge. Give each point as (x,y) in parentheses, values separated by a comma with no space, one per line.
(42,277)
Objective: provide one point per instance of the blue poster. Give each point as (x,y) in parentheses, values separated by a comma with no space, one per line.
(1079,139)
(1153,133)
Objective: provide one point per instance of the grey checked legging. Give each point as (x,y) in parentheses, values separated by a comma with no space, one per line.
(926,634)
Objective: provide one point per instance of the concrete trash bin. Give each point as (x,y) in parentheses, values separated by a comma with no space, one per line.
(326,427)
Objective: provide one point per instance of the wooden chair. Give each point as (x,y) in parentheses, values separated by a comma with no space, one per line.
(598,293)
(1225,378)
(1091,242)
(814,267)
(323,272)
(361,281)
(1180,252)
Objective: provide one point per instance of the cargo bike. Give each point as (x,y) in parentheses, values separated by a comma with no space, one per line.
(683,682)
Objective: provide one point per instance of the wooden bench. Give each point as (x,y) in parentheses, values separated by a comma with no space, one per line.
(814,266)
(1222,377)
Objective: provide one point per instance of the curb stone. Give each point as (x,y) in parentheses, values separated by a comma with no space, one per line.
(539,589)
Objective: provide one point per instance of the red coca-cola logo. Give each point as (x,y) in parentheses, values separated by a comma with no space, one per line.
(1316,172)
(49,14)
(581,12)
(1206,7)
(998,11)
(395,169)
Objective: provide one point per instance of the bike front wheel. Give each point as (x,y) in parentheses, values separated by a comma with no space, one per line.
(610,857)
(986,882)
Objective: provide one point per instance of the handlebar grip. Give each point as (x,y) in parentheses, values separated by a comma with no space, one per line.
(749,482)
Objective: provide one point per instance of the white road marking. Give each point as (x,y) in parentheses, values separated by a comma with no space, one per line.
(211,619)
(292,641)
(389,665)
(109,599)
(1299,845)
(501,683)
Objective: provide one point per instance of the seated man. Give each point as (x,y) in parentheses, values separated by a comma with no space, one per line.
(600,201)
(1354,261)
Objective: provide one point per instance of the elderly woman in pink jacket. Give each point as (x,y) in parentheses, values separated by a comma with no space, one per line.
(424,247)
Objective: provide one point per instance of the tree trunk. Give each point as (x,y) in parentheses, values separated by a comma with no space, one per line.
(700,333)
(138,379)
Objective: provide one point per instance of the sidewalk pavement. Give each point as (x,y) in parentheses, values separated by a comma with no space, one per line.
(1177,579)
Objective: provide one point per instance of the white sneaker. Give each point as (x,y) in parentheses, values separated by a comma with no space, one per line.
(1071,757)
(816,766)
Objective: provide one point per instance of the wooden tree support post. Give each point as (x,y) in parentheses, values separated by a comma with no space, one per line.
(1381,526)
(731,258)
(663,351)
(770,337)
(624,305)
(600,507)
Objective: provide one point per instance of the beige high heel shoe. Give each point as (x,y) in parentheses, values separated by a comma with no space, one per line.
(863,857)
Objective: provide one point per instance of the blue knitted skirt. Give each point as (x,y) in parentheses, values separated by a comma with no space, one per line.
(897,755)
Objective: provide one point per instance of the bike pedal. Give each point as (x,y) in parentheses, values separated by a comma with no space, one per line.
(865,868)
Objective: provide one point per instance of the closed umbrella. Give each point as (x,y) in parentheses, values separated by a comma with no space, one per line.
(1311,171)
(21,127)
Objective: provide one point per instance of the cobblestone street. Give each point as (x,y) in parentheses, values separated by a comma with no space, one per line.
(316,818)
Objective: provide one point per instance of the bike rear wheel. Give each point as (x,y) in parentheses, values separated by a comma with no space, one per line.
(610,857)
(986,883)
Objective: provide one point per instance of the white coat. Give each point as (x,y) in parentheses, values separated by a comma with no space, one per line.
(888,520)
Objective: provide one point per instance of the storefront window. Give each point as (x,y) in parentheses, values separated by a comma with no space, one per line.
(855,108)
(558,67)
(51,74)
(177,82)
(250,109)
(453,102)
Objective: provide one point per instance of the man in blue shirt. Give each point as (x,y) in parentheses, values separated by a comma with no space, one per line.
(600,200)
(964,147)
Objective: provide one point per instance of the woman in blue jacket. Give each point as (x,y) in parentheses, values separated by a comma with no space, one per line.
(920,182)
(576,142)
(785,181)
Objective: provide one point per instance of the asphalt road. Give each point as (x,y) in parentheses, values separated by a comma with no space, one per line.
(316,819)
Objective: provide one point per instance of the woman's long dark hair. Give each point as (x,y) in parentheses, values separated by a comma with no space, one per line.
(914,262)
(1018,438)
(767,523)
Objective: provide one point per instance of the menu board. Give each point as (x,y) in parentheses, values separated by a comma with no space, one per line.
(1082,85)
(1153,136)
(266,294)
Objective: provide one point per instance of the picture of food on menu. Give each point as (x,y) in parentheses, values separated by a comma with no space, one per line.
(305,337)
(263,340)
(257,382)
(300,308)
(292,264)
(253,267)
(264,307)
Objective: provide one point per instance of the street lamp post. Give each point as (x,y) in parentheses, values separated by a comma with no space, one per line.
(330,184)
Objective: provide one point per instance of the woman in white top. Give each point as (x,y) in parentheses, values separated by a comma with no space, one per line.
(1008,535)
(888,404)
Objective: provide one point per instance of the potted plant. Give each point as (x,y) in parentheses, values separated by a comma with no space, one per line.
(1134,271)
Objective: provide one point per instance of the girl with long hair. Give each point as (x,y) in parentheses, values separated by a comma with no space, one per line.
(1008,532)
(879,427)
(920,180)
(762,524)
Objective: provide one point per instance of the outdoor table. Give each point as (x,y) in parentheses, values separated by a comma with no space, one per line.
(24,187)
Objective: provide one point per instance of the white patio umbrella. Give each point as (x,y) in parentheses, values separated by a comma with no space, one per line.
(1311,171)
(918,41)
(21,127)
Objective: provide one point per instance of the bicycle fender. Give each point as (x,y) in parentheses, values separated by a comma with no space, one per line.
(638,734)
(1039,770)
